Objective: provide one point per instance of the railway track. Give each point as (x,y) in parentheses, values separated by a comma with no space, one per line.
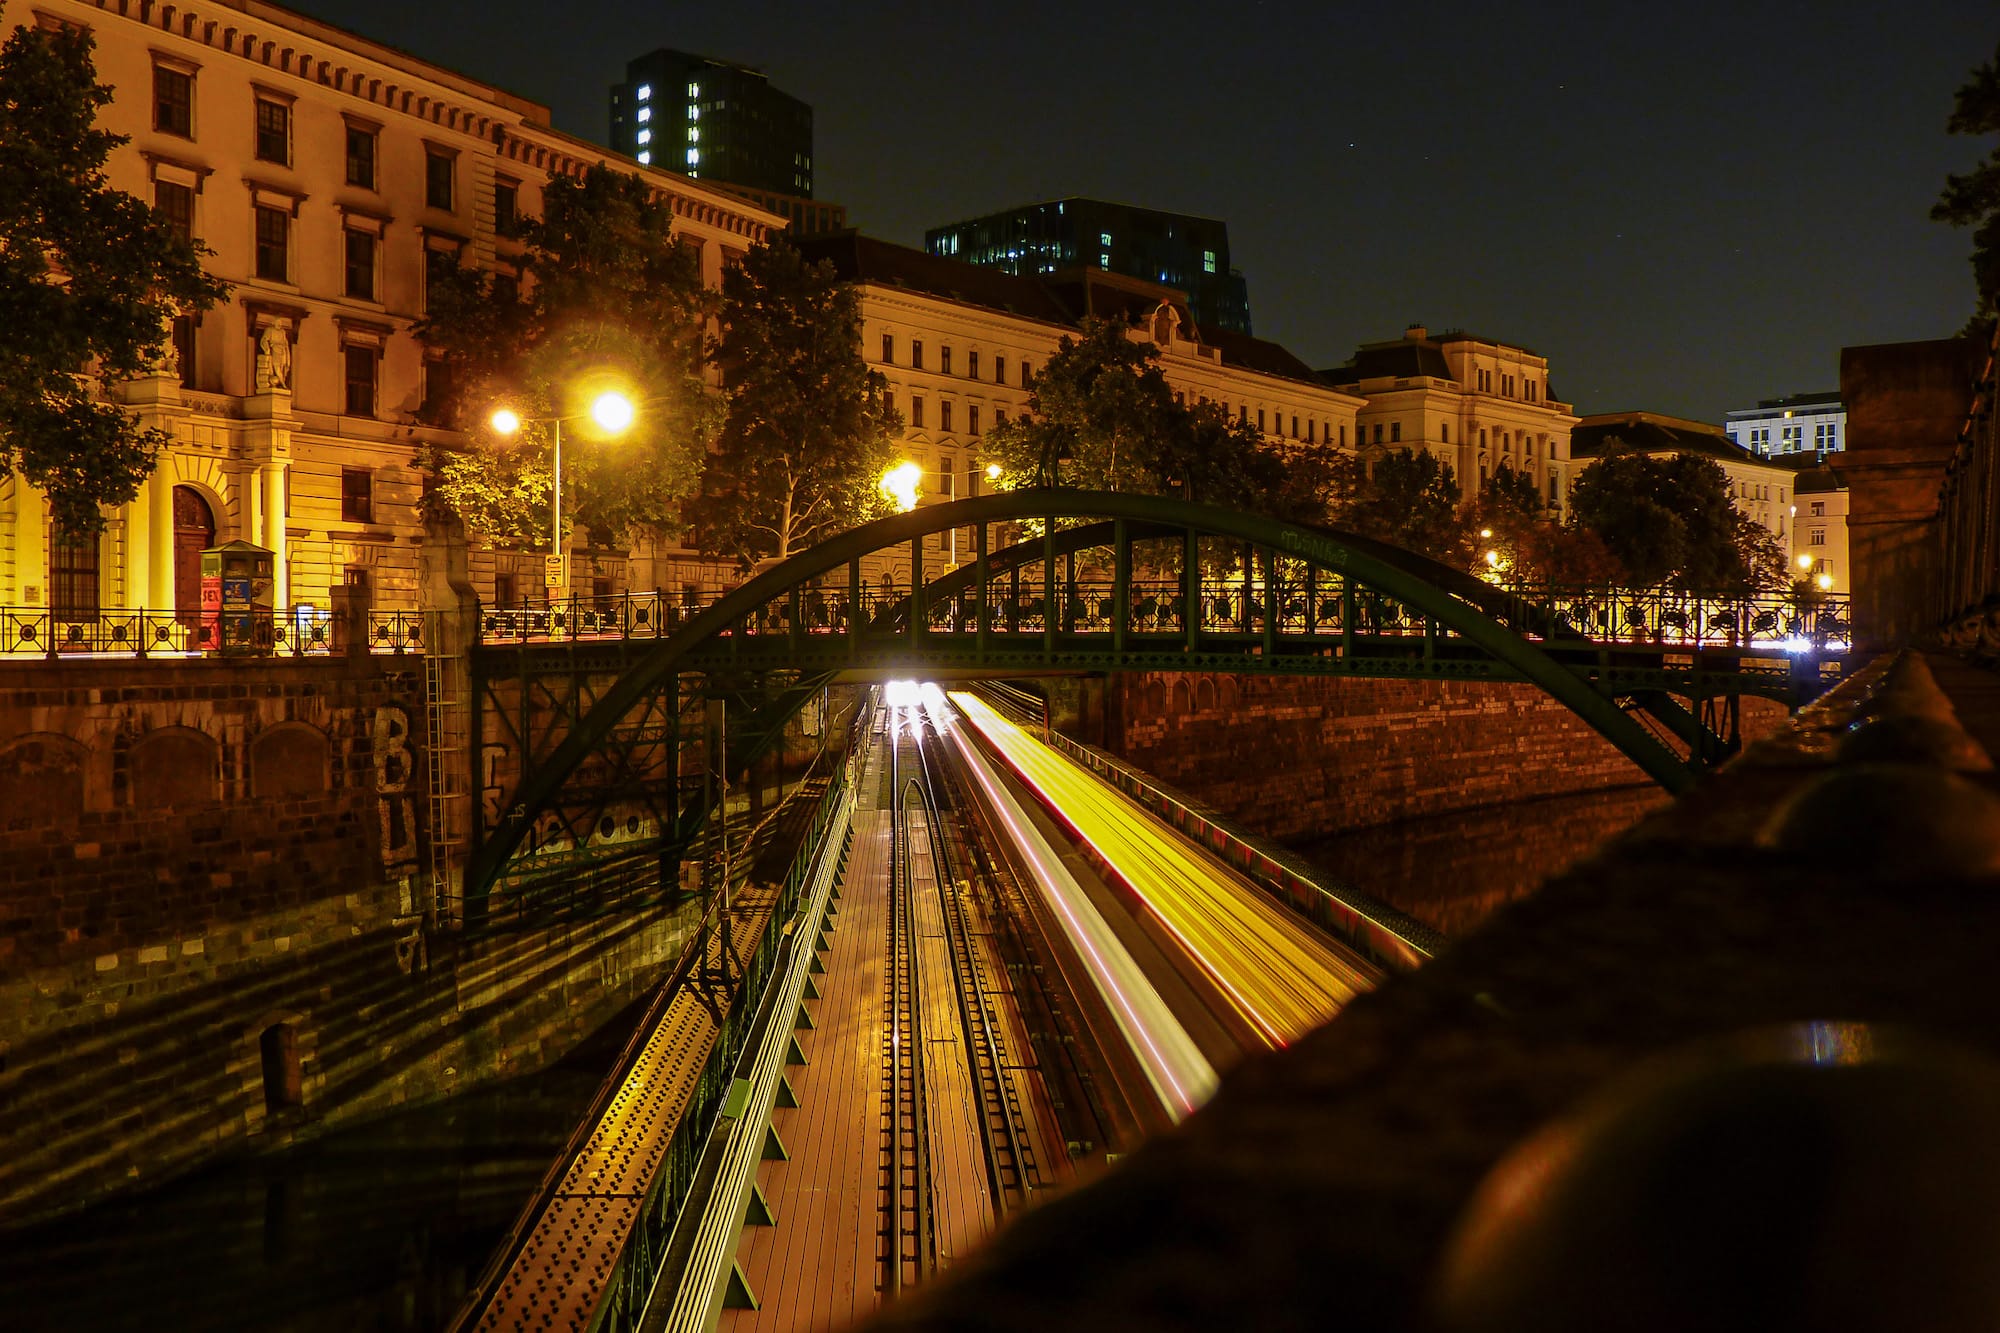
(908,1247)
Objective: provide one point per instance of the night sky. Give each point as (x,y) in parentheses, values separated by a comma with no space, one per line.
(1685,207)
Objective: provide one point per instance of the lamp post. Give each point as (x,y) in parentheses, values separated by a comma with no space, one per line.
(613,413)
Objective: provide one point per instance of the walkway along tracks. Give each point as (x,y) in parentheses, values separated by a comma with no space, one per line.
(587,1249)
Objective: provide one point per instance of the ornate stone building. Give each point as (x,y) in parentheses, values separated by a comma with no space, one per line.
(959,346)
(330,175)
(1474,403)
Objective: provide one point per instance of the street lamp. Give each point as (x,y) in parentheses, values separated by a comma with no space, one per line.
(611,411)
(899,483)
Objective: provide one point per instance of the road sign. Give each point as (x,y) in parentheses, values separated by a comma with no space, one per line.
(552,570)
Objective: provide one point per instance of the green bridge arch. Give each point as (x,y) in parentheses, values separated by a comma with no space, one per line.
(954,625)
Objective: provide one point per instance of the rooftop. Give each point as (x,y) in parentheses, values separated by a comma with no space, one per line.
(1656,432)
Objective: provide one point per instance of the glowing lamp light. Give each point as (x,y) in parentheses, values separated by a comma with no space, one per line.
(1487,533)
(613,412)
(1825,582)
(1493,558)
(899,483)
(992,472)
(1805,562)
(506,421)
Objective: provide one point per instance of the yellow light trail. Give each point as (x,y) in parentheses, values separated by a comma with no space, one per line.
(1269,967)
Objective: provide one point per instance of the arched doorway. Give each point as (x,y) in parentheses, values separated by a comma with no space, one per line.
(194,532)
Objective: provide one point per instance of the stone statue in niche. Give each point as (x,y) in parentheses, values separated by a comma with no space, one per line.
(274,358)
(1166,323)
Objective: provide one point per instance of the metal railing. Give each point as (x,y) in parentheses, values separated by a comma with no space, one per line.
(31,631)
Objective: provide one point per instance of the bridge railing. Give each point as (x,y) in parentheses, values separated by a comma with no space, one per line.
(1023,603)
(39,632)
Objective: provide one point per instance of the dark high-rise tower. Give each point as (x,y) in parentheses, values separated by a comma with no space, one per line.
(713,120)
(1170,248)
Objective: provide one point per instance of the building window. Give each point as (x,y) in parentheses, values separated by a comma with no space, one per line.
(1378,432)
(73,584)
(1295,426)
(1444,432)
(1027,375)
(361,157)
(944,360)
(888,349)
(1818,508)
(972,365)
(916,353)
(357,488)
(972,418)
(361,264)
(176,205)
(999,370)
(183,345)
(438,180)
(438,385)
(999,417)
(173,101)
(506,206)
(947,476)
(274,132)
(916,413)
(1208,261)
(1395,432)
(359,364)
(1819,537)
(944,415)
(438,267)
(274,244)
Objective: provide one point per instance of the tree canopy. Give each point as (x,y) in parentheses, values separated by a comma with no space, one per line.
(1666,519)
(90,281)
(1408,498)
(1973,199)
(1099,417)
(806,430)
(610,299)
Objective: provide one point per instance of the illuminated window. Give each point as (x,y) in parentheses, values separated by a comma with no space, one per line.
(645,159)
(645,136)
(694,157)
(1104,238)
(1208,261)
(645,93)
(645,114)
(694,90)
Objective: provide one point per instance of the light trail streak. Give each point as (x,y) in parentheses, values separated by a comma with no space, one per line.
(1180,1076)
(1277,975)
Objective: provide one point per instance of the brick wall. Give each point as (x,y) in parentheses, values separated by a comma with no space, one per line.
(213,929)
(1296,758)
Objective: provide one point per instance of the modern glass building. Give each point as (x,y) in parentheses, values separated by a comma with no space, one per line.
(1804,423)
(1173,249)
(713,120)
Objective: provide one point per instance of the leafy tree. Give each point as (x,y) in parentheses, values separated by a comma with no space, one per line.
(805,435)
(1408,499)
(1663,518)
(1764,564)
(611,299)
(1509,508)
(1099,418)
(90,280)
(1973,200)
(1566,553)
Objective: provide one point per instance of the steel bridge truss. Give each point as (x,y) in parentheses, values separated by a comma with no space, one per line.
(608,726)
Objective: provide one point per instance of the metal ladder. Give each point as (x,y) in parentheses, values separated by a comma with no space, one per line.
(444,755)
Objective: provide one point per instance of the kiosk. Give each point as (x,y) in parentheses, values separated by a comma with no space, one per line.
(236,600)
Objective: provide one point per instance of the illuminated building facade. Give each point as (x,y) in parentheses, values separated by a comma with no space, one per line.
(715,120)
(1473,403)
(330,175)
(1190,254)
(960,346)
(1804,428)
(1819,530)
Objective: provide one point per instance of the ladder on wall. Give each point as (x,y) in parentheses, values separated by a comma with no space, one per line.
(445,758)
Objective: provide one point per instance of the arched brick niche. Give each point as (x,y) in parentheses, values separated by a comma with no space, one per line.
(41,780)
(289,759)
(172,768)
